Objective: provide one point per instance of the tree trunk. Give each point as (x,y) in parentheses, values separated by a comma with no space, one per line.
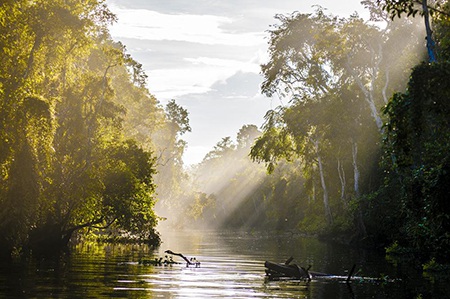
(342,179)
(386,85)
(369,91)
(356,174)
(430,42)
(328,215)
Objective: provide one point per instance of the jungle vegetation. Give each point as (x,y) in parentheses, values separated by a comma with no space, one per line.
(81,137)
(358,149)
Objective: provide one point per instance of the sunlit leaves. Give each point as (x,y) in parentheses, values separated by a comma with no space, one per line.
(412,7)
(178,117)
(272,146)
(60,117)
(128,194)
(335,74)
(246,135)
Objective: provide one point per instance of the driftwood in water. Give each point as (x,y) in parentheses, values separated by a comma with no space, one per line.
(275,270)
(168,261)
(288,270)
(189,262)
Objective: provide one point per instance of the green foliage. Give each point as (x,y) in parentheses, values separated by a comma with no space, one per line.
(274,144)
(65,162)
(169,147)
(397,250)
(128,189)
(178,117)
(398,7)
(410,7)
(203,208)
(441,25)
(433,266)
(317,147)
(332,72)
(417,143)
(313,224)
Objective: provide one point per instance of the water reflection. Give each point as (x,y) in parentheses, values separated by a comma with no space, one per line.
(232,266)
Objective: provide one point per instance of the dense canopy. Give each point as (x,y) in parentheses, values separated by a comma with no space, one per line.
(71,156)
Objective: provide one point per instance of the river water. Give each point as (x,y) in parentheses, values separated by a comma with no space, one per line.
(232,266)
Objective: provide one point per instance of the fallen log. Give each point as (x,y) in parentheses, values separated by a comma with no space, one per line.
(189,262)
(276,270)
(158,261)
(288,270)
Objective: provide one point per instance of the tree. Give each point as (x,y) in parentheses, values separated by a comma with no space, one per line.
(35,37)
(412,7)
(246,135)
(317,54)
(170,148)
(336,74)
(301,133)
(61,135)
(441,24)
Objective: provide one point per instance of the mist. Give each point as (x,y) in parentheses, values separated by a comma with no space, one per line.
(354,149)
(230,189)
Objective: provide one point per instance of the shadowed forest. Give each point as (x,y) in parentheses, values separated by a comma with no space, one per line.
(357,150)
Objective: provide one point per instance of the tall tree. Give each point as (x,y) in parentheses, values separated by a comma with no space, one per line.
(336,74)
(169,147)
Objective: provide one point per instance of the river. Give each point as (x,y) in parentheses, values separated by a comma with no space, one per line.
(232,266)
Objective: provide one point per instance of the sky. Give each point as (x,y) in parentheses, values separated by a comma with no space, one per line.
(206,54)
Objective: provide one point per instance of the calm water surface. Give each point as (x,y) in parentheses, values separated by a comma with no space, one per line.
(232,266)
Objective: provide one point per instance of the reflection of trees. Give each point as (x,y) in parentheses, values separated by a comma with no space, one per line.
(92,270)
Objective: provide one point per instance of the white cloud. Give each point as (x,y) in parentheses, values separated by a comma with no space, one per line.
(204,29)
(171,83)
(196,78)
(193,74)
(226,64)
